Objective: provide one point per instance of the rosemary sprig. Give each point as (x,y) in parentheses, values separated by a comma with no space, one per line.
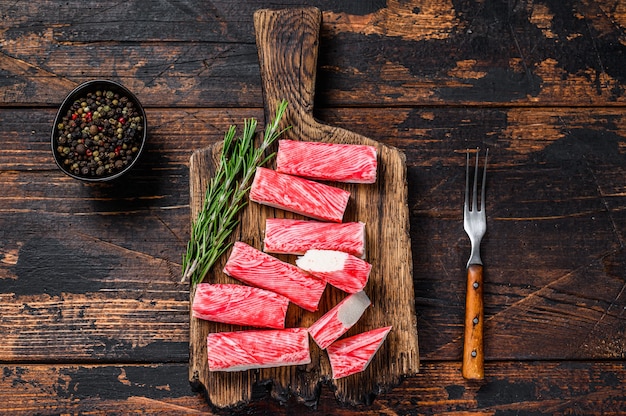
(225,195)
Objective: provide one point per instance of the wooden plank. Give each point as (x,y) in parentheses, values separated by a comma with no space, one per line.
(72,330)
(293,33)
(536,387)
(85,295)
(427,135)
(221,20)
(426,52)
(173,135)
(100,389)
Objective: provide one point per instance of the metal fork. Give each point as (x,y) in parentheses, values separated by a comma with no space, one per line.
(475,225)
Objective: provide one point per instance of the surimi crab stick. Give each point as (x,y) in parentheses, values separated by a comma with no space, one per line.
(352,355)
(339,269)
(245,350)
(339,319)
(239,305)
(289,236)
(302,196)
(259,269)
(350,163)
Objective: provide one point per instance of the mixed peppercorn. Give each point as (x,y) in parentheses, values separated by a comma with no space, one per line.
(99,135)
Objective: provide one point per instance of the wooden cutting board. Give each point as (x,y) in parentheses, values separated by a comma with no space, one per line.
(287,42)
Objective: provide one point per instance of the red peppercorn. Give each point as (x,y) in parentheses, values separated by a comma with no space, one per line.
(88,152)
(121,120)
(117,150)
(74,116)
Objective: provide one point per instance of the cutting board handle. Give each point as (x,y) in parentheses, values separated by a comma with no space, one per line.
(287,44)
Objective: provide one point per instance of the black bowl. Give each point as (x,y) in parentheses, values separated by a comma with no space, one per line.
(99,132)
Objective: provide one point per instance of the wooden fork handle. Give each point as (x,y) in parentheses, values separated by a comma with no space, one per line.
(473,353)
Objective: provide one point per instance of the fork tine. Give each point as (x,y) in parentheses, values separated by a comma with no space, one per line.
(482,191)
(467,163)
(475,188)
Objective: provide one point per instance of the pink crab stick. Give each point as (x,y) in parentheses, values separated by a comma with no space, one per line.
(246,350)
(239,305)
(262,270)
(290,236)
(302,196)
(339,319)
(350,163)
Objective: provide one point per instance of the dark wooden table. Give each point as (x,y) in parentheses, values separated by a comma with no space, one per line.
(93,317)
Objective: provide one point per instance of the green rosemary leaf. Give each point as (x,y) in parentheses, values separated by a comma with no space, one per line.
(226,195)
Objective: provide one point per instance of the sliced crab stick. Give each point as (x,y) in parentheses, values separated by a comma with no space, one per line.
(239,305)
(339,319)
(352,355)
(302,196)
(259,269)
(339,269)
(287,236)
(327,161)
(245,350)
